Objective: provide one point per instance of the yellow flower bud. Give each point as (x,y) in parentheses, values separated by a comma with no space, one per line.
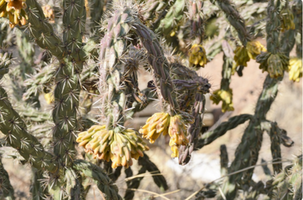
(254,48)
(241,56)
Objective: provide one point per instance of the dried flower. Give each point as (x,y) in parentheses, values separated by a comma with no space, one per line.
(197,56)
(254,48)
(251,51)
(226,97)
(241,56)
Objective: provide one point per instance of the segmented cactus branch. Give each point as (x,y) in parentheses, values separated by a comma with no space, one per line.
(101,179)
(235,20)
(249,149)
(224,94)
(223,160)
(288,183)
(197,29)
(68,87)
(37,190)
(210,136)
(134,184)
(42,31)
(267,97)
(158,178)
(95,10)
(18,137)
(275,138)
(112,46)
(273,26)
(194,129)
(15,130)
(159,63)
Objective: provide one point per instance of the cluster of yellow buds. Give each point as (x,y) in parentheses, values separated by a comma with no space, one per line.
(287,19)
(163,123)
(251,51)
(197,56)
(48,12)
(115,145)
(155,125)
(14,11)
(226,97)
(295,69)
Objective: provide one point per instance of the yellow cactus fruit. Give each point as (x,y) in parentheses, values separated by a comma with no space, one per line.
(15,12)
(155,125)
(177,132)
(287,19)
(197,56)
(48,12)
(295,69)
(241,56)
(118,146)
(226,97)
(277,64)
(96,140)
(254,48)
(126,145)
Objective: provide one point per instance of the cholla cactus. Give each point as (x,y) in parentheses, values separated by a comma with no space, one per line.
(96,61)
